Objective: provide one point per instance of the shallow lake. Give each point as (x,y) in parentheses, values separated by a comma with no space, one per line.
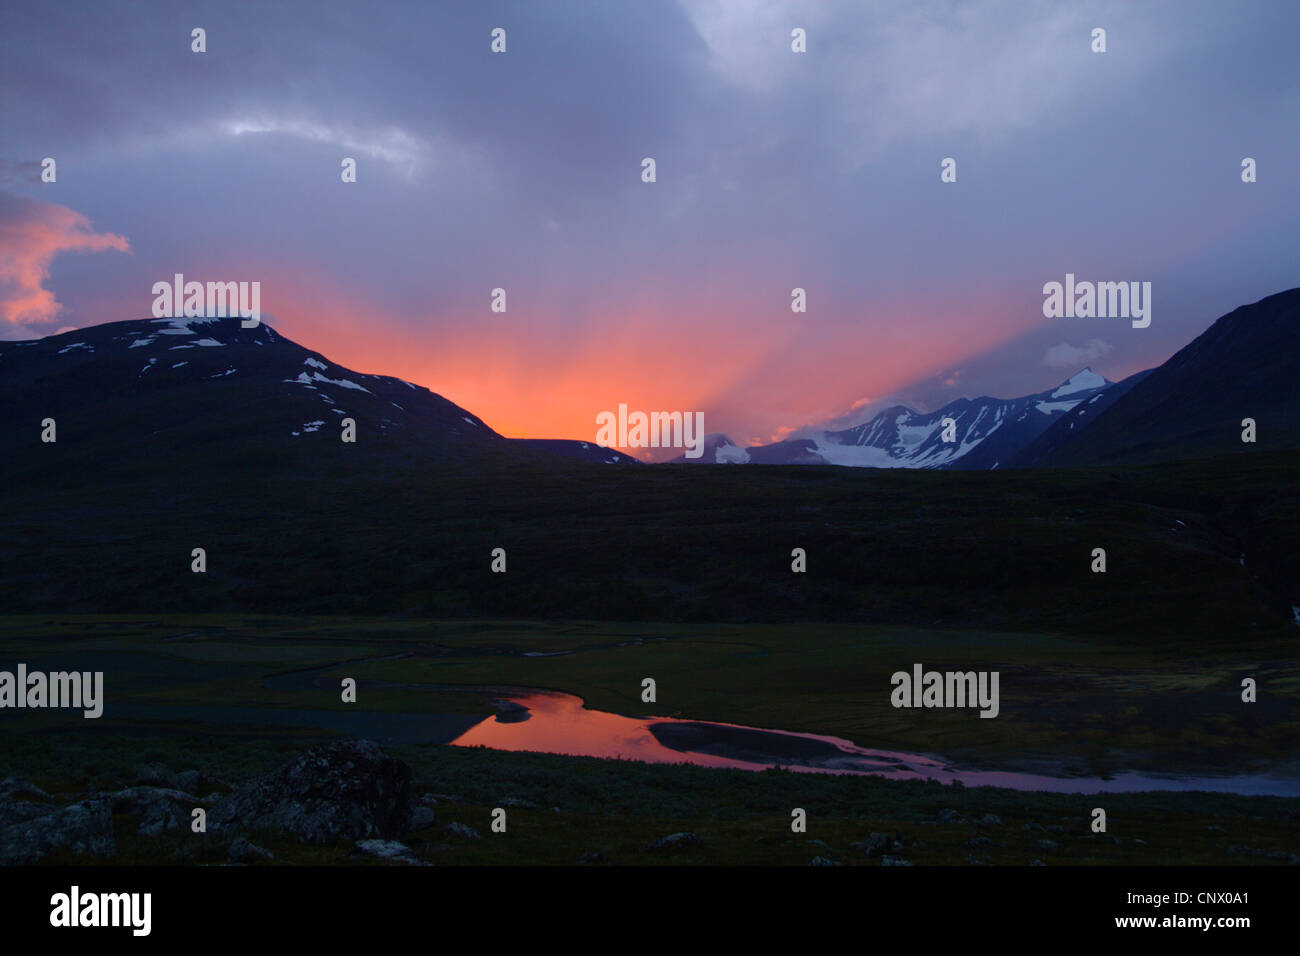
(559,723)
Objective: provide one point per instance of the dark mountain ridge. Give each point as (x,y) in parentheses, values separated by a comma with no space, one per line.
(1245,365)
(148,390)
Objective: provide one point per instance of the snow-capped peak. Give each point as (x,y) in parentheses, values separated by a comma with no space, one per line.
(727,452)
(718,449)
(1080,381)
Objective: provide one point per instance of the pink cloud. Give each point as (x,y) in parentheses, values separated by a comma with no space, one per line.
(32,233)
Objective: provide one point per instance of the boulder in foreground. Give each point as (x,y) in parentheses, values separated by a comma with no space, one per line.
(342,791)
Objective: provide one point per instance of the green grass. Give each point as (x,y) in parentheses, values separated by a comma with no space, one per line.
(615,808)
(996,551)
(1087,705)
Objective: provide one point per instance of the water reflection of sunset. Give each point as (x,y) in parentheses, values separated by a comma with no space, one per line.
(560,724)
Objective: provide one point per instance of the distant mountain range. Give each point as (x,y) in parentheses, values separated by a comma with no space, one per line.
(211,391)
(979,433)
(1245,365)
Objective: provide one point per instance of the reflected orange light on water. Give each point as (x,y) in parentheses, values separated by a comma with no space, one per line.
(560,724)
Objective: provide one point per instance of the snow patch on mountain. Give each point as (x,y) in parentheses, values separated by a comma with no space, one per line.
(730,455)
(1082,381)
(1051,408)
(305,379)
(901,437)
(177,326)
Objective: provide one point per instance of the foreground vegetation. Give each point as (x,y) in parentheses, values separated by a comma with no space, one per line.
(563,810)
(1068,705)
(327,532)
(234,696)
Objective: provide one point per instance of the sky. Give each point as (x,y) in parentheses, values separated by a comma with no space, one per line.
(522,170)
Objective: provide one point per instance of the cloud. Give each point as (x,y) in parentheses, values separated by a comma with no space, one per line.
(1072,356)
(392,144)
(896,71)
(32,233)
(26,171)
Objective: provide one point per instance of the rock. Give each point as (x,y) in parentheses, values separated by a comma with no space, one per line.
(461,830)
(15,788)
(349,790)
(390,850)
(875,844)
(189,780)
(429,800)
(241,851)
(1033,828)
(949,816)
(422,818)
(978,841)
(510,712)
(592,858)
(673,843)
(894,861)
(160,809)
(20,811)
(161,819)
(1047,846)
(516,802)
(136,800)
(155,775)
(84,828)
(822,861)
(820,844)
(21,801)
(1036,863)
(973,860)
(1054,828)
(990,820)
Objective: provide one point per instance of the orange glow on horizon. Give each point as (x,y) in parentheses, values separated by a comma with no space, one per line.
(750,378)
(747,378)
